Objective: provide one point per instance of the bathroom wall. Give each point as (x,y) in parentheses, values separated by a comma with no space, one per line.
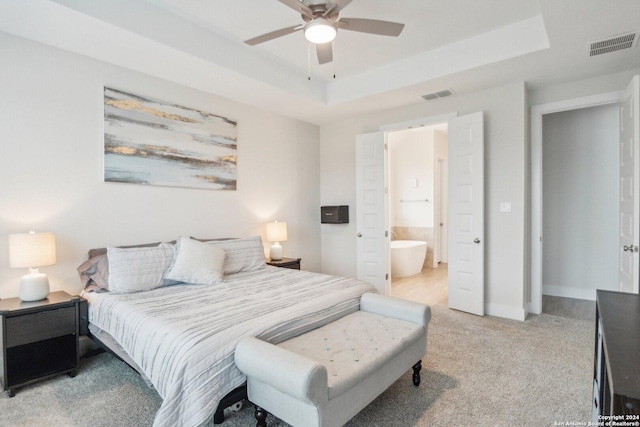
(411,182)
(441,192)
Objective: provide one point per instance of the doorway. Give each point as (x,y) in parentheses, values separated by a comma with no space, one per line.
(580,183)
(624,145)
(417,170)
(465,153)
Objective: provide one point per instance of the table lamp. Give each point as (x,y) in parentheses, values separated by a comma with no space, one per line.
(32,250)
(276,232)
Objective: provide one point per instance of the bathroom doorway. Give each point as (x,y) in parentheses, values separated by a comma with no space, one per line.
(418,190)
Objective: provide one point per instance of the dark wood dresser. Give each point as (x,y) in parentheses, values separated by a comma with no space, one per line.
(616,388)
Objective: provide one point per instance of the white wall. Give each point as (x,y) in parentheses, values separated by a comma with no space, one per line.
(51,167)
(580,88)
(411,178)
(580,190)
(505,111)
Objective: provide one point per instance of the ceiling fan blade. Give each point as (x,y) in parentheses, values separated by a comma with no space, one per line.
(371,26)
(325,53)
(298,7)
(272,35)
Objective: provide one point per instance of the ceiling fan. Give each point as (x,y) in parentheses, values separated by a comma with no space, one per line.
(321,24)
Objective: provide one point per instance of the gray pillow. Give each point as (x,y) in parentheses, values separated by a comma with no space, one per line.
(95,271)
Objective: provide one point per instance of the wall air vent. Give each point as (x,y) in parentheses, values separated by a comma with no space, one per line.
(439,94)
(625,41)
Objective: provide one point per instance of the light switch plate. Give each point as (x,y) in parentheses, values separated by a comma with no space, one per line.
(505,207)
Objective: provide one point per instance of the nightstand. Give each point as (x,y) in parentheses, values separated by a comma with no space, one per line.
(39,339)
(293,263)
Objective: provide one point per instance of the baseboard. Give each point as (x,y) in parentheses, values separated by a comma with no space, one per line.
(506,311)
(568,292)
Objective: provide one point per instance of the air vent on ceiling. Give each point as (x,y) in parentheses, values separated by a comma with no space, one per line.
(625,41)
(439,94)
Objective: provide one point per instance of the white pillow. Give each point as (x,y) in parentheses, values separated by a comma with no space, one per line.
(196,262)
(138,269)
(245,254)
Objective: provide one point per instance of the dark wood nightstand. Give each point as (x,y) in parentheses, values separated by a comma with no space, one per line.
(39,339)
(293,263)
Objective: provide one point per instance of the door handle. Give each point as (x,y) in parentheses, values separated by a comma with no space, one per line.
(630,248)
(476,240)
(359,234)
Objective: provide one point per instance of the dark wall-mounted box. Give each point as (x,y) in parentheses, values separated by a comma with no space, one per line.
(334,214)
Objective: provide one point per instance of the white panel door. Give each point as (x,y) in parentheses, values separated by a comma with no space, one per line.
(629,186)
(371,210)
(466,213)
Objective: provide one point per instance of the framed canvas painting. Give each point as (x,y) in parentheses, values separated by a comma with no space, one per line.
(147,141)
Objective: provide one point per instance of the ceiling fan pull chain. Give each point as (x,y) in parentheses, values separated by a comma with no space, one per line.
(333,49)
(309,61)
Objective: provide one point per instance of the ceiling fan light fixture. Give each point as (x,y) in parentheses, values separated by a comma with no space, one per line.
(320,31)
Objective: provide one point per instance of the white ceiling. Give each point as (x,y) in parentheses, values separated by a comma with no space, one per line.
(463,45)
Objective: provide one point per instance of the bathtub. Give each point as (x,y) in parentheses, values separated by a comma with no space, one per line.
(407,257)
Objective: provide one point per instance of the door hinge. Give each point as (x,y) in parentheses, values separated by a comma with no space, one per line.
(386,276)
(386,233)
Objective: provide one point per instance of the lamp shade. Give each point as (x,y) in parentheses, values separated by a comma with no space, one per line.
(277,231)
(32,250)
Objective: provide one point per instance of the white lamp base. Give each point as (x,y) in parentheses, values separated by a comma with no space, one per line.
(275,252)
(34,287)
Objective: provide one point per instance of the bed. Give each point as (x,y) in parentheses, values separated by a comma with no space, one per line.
(181,336)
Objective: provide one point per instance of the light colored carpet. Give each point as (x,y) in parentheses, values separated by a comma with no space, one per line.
(477,372)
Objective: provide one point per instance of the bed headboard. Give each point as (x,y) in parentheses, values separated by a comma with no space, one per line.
(102,251)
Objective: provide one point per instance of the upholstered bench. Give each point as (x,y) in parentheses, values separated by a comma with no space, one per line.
(326,376)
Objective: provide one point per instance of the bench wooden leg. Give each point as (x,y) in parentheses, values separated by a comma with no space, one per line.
(261,417)
(416,373)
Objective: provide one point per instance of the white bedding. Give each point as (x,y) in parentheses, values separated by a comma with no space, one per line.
(183,336)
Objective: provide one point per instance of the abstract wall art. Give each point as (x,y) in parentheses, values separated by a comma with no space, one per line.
(152,142)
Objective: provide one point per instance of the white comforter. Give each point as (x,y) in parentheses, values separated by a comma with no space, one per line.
(183,336)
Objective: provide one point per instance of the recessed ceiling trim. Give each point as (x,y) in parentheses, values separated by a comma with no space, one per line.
(517,39)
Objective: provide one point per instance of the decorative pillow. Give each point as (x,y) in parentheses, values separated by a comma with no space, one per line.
(197,262)
(95,271)
(245,254)
(139,269)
